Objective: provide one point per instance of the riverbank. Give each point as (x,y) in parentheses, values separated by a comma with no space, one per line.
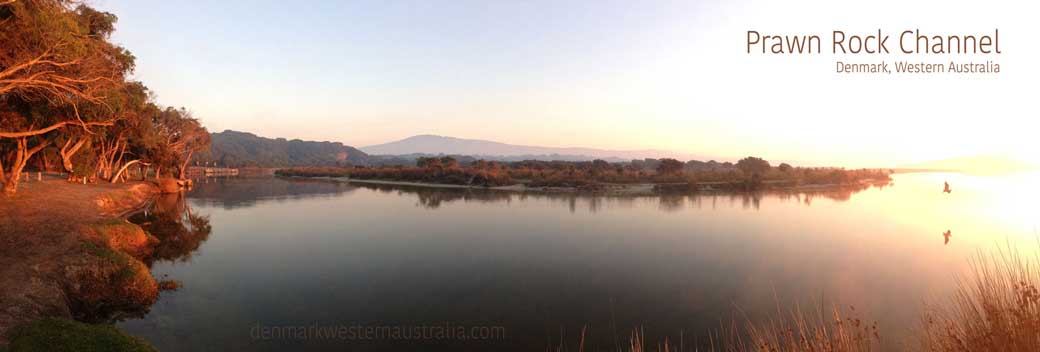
(613,189)
(66,252)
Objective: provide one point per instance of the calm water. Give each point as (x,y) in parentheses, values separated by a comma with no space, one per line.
(267,253)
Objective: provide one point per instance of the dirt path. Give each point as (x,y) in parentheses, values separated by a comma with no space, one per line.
(41,242)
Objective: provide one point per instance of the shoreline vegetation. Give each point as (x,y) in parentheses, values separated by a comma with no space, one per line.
(70,263)
(639,177)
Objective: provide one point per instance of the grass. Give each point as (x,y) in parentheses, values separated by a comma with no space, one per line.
(121,260)
(109,227)
(122,236)
(59,335)
(835,330)
(995,308)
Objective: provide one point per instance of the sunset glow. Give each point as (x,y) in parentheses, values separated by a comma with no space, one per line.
(658,75)
(519,175)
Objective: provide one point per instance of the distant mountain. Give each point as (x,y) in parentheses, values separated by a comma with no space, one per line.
(433,145)
(976,164)
(242,149)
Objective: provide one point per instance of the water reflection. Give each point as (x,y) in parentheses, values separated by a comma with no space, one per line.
(179,230)
(542,263)
(433,198)
(180,233)
(235,192)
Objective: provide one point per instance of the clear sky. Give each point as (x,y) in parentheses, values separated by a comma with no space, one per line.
(605,74)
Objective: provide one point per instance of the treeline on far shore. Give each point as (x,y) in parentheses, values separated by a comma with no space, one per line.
(668,174)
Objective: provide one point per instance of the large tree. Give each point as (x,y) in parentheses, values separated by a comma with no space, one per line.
(52,50)
(669,166)
(55,60)
(183,135)
(753,166)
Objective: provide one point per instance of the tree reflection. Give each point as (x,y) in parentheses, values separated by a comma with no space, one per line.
(434,197)
(239,192)
(179,230)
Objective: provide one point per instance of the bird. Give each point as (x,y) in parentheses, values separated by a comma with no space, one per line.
(946,187)
(946,235)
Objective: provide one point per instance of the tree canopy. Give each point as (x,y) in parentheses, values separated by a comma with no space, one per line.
(65,94)
(753,166)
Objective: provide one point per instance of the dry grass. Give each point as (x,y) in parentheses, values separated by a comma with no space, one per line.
(996,307)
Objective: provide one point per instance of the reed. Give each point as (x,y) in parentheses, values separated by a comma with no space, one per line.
(995,307)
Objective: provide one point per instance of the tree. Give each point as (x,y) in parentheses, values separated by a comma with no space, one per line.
(785,167)
(54,59)
(668,166)
(753,166)
(56,51)
(183,135)
(428,162)
(449,162)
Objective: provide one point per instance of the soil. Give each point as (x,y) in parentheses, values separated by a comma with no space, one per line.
(52,263)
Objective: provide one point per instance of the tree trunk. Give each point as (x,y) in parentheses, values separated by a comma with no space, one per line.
(22,156)
(45,161)
(120,172)
(67,152)
(184,165)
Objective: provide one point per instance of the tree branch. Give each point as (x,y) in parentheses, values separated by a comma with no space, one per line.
(54,127)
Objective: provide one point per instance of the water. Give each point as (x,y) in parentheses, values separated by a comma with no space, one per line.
(268,263)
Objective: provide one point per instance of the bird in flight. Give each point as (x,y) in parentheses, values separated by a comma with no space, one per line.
(946,235)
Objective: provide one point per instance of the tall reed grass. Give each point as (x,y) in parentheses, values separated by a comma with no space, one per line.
(996,307)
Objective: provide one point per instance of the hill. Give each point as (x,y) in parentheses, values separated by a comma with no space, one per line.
(436,145)
(243,149)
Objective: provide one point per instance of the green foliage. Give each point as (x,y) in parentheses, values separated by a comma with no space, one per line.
(753,166)
(64,83)
(240,149)
(120,259)
(592,175)
(669,166)
(60,335)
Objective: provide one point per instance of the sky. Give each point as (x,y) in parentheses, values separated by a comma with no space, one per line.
(670,75)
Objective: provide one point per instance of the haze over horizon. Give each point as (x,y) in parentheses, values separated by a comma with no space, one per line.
(621,76)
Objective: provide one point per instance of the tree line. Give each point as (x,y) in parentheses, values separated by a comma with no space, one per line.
(68,103)
(747,173)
